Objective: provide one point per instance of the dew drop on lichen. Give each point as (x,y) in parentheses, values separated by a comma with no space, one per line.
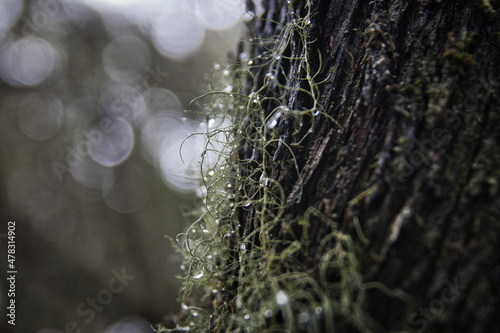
(184,306)
(273,120)
(211,173)
(247,317)
(268,313)
(195,314)
(250,62)
(248,16)
(216,66)
(243,247)
(225,72)
(198,276)
(281,298)
(318,310)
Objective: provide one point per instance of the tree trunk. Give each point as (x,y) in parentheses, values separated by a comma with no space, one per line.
(367,198)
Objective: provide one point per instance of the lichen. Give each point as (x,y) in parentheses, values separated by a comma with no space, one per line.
(238,275)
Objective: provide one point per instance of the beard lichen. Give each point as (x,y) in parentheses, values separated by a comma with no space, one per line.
(247,266)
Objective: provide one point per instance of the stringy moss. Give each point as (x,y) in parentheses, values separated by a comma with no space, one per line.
(244,281)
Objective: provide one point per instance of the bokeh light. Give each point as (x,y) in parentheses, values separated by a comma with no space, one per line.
(40,115)
(218,14)
(9,13)
(125,59)
(101,151)
(27,61)
(177,33)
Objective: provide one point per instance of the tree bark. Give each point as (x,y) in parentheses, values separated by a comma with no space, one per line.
(401,168)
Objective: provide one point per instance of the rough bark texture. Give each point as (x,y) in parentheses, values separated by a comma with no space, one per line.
(413,174)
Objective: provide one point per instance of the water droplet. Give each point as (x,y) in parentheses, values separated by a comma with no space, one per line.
(214,291)
(211,173)
(191,324)
(278,57)
(243,56)
(229,185)
(183,267)
(195,314)
(247,204)
(247,317)
(216,66)
(281,298)
(317,113)
(248,16)
(184,119)
(250,62)
(273,120)
(198,276)
(268,313)
(225,72)
(318,310)
(243,247)
(184,306)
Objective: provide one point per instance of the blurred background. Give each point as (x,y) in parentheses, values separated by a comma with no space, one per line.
(93,96)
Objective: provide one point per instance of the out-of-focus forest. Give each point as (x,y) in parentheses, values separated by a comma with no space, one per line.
(92,115)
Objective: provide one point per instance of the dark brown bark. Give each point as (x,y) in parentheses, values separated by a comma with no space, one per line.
(413,173)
